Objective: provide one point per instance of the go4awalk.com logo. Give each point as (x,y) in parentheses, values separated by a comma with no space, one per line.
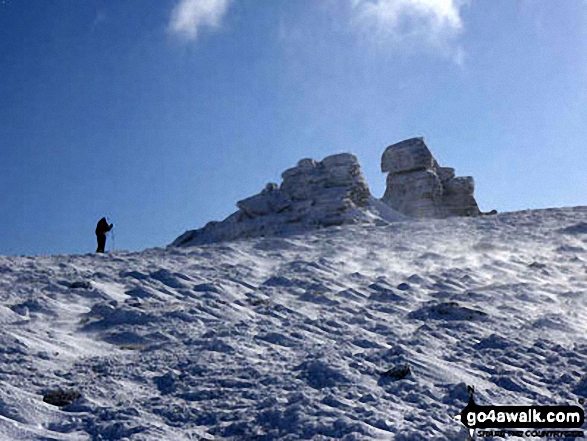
(529,421)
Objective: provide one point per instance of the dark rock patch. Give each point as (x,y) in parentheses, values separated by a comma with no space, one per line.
(447,311)
(61,397)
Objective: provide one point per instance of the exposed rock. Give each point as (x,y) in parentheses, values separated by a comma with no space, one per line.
(166,383)
(409,155)
(447,311)
(80,284)
(313,194)
(397,372)
(61,397)
(418,187)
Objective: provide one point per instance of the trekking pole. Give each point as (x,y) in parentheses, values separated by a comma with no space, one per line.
(113,240)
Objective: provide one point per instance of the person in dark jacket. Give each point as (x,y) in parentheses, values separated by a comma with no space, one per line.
(101,229)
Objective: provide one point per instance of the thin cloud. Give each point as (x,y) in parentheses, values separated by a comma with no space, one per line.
(189,16)
(459,56)
(430,23)
(99,16)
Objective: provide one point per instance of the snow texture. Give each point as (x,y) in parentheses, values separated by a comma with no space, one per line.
(355,332)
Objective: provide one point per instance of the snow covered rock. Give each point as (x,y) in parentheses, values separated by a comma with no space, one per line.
(313,194)
(418,187)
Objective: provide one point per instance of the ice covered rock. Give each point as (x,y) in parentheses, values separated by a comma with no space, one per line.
(313,194)
(418,187)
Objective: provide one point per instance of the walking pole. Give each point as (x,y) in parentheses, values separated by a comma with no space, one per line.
(113,240)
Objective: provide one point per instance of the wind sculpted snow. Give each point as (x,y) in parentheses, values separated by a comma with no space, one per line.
(352,332)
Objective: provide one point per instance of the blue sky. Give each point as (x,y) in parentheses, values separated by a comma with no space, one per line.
(162,114)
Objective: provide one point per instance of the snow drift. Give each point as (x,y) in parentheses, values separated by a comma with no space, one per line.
(353,332)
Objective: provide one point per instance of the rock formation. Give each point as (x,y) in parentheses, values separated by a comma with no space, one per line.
(418,187)
(312,195)
(316,194)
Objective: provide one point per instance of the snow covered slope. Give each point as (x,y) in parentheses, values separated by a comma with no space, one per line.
(288,338)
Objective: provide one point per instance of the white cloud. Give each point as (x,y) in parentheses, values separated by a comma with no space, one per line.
(431,23)
(189,16)
(459,56)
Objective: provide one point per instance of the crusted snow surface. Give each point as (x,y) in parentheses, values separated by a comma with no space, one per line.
(299,337)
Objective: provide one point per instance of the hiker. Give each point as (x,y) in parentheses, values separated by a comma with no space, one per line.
(101,229)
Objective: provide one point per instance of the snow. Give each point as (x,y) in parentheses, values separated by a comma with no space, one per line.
(288,337)
(305,217)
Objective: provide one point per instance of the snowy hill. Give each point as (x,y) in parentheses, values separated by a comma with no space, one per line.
(298,337)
